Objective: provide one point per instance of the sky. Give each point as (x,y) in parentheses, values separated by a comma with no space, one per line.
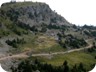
(79,12)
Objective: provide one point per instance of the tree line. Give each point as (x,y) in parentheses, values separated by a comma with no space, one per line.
(36,66)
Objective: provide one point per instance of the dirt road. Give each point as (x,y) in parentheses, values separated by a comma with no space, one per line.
(24,55)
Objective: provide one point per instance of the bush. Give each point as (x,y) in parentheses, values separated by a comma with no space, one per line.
(44,29)
(95,57)
(71,41)
(15,42)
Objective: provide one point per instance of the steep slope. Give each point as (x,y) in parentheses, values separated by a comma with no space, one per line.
(32,13)
(33,29)
(34,26)
(25,19)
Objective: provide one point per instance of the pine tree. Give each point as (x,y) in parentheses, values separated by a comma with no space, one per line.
(81,68)
(74,69)
(66,67)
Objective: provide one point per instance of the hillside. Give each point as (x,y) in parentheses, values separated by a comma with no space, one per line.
(29,28)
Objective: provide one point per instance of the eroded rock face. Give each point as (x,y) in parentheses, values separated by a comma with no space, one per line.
(35,14)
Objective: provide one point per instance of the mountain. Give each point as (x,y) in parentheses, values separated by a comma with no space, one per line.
(28,28)
(30,15)
(33,13)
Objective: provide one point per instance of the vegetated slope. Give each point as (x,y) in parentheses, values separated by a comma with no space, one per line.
(35,28)
(25,19)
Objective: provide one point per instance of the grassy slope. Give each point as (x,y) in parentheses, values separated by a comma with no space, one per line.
(72,58)
(40,43)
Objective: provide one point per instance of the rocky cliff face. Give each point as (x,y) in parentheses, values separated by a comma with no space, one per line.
(33,14)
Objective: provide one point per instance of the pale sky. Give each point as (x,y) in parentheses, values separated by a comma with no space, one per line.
(78,12)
